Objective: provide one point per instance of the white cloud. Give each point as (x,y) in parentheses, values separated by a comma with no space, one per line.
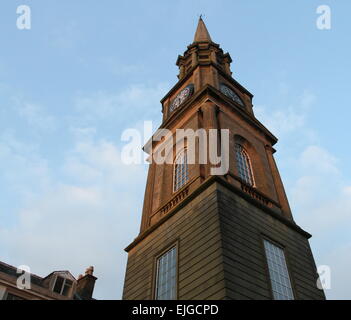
(20,164)
(318,160)
(65,37)
(86,219)
(35,115)
(339,261)
(124,105)
(285,119)
(319,192)
(84,207)
(347,191)
(318,212)
(83,133)
(321,203)
(118,68)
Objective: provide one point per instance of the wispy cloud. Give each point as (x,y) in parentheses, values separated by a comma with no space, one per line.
(88,214)
(339,260)
(65,37)
(35,115)
(129,102)
(83,207)
(318,160)
(20,165)
(120,68)
(320,193)
(318,190)
(284,119)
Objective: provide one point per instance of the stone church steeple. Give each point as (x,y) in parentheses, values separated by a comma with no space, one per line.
(203,51)
(202,34)
(216,236)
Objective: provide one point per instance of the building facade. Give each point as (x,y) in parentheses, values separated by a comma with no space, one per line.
(15,284)
(217,236)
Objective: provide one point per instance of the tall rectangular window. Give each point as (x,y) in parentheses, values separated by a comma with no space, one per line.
(278,272)
(166,275)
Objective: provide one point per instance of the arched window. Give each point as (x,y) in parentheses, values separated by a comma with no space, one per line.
(181,171)
(244,164)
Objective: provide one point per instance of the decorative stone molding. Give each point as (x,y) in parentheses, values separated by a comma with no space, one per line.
(254,194)
(175,200)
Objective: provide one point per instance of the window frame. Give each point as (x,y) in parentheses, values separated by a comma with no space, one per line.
(287,262)
(183,151)
(248,158)
(156,269)
(65,279)
(15,297)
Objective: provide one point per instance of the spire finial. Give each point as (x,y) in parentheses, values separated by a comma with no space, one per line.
(202,35)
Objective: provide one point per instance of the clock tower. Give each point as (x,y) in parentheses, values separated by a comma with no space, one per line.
(207,235)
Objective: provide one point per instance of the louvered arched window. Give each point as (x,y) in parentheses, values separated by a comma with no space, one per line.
(181,171)
(244,164)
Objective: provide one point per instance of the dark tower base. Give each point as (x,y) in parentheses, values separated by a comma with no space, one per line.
(219,231)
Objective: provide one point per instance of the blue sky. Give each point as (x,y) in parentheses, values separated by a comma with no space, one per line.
(86,71)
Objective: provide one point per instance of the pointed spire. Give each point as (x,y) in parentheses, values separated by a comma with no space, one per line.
(202,34)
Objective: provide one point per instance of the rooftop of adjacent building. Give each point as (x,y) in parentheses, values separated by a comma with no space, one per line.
(19,284)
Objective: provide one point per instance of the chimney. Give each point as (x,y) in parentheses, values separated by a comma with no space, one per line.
(85,284)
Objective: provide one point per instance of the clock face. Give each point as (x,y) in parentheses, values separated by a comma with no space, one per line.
(231,94)
(181,97)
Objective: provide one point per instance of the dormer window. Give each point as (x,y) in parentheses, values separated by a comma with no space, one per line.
(63,286)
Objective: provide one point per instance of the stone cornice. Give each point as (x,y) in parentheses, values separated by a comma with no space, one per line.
(203,187)
(210,63)
(211,91)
